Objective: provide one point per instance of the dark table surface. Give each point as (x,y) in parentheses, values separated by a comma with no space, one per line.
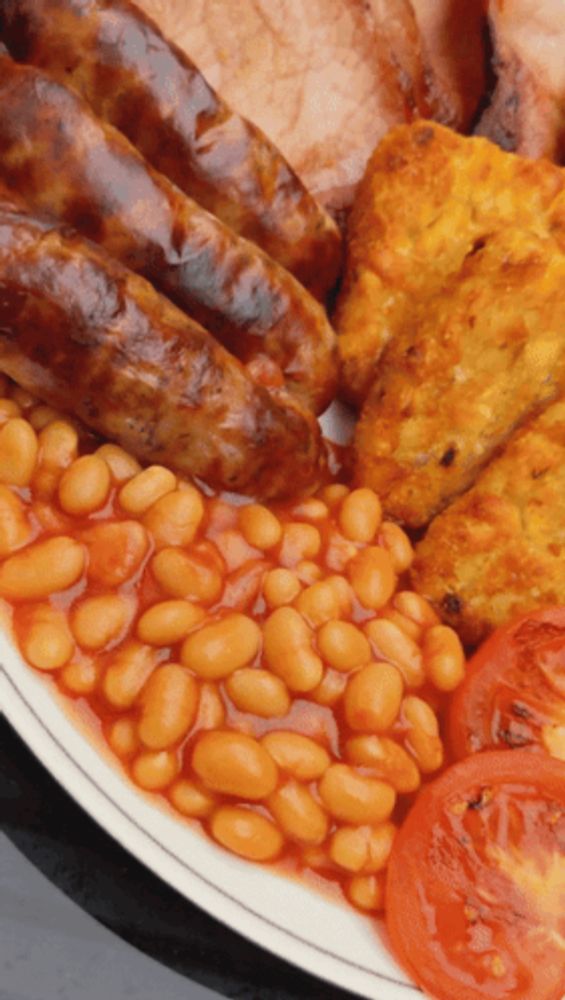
(58,870)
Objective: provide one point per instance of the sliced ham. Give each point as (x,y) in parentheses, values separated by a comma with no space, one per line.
(324,79)
(527,112)
(453,40)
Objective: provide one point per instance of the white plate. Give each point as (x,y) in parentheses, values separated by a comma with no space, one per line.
(326,938)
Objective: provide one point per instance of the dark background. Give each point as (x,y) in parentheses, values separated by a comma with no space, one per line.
(53,951)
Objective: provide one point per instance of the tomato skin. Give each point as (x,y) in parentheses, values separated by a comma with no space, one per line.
(506,697)
(457,921)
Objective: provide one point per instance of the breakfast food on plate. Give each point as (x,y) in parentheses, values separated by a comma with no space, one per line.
(91,336)
(109,193)
(265,671)
(526,111)
(148,88)
(498,550)
(428,199)
(476,881)
(260,668)
(513,694)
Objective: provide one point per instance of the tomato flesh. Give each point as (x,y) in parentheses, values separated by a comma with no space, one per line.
(513,694)
(476,881)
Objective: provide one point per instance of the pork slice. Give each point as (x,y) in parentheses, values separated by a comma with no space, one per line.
(527,112)
(325,80)
(453,40)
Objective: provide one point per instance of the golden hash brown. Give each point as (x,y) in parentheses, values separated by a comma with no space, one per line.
(479,359)
(499,550)
(427,196)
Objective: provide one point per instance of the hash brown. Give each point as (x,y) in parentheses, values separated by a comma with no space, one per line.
(499,550)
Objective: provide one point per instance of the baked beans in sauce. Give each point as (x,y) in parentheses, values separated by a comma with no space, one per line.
(263,669)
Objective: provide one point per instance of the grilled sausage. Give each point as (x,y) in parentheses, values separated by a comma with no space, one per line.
(148,88)
(85,334)
(66,162)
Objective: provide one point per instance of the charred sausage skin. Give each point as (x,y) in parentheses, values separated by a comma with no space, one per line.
(148,88)
(65,161)
(87,335)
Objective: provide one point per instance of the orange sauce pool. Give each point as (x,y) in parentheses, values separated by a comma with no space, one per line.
(263,671)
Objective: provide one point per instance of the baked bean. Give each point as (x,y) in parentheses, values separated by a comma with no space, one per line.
(187,575)
(330,689)
(354,798)
(397,544)
(216,650)
(190,799)
(333,494)
(18,452)
(115,551)
(47,643)
(343,645)
(259,692)
(169,703)
(15,530)
(362,848)
(444,659)
(121,464)
(84,486)
(366,892)
(41,416)
(246,833)
(42,569)
(299,541)
(80,676)
(280,586)
(168,622)
(97,621)
(308,572)
(9,410)
(372,697)
(313,509)
(387,760)
(411,605)
(260,527)
(234,764)
(372,577)
(406,625)
(287,646)
(297,754)
(339,551)
(298,814)
(141,492)
(422,737)
(211,712)
(360,515)
(175,518)
(23,398)
(58,448)
(389,642)
(327,599)
(155,769)
(127,672)
(122,737)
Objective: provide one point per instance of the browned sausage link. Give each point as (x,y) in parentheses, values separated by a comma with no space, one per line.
(65,161)
(87,335)
(147,87)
